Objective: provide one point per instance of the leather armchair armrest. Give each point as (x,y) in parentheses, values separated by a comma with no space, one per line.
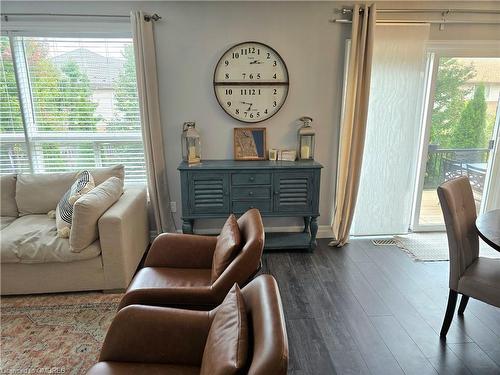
(151,334)
(181,251)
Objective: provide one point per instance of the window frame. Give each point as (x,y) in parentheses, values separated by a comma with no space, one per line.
(31,137)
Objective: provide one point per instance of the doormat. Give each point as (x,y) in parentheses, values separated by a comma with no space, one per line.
(432,247)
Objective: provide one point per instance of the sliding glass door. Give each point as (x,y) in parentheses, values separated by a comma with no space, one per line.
(460,133)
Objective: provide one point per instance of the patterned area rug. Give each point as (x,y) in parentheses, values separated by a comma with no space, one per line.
(430,247)
(58,334)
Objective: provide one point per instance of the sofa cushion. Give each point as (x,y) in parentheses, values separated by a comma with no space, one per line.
(33,239)
(102,174)
(6,220)
(226,349)
(40,193)
(8,206)
(64,210)
(89,208)
(227,247)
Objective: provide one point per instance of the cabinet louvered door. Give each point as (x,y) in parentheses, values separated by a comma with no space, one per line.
(209,193)
(293,192)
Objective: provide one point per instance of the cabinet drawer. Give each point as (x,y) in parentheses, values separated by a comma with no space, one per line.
(243,206)
(250,192)
(251,179)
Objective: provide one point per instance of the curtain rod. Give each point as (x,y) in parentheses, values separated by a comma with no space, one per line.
(441,22)
(5,16)
(443,12)
(446,11)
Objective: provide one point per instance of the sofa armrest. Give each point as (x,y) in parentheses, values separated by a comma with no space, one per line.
(151,334)
(124,237)
(181,251)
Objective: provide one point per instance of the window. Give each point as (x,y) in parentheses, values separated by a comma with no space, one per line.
(69,103)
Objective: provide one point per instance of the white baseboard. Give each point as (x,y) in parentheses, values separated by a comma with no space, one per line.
(324,231)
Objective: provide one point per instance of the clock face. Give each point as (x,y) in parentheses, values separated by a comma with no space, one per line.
(251,82)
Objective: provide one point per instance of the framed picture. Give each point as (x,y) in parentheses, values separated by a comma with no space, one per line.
(273,154)
(287,155)
(249,143)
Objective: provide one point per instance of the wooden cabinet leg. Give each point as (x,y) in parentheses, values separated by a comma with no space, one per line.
(307,222)
(314,232)
(187,226)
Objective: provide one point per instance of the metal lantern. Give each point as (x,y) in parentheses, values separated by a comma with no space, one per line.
(306,138)
(191,145)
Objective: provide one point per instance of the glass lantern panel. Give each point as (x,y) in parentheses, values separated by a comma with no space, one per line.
(306,147)
(193,150)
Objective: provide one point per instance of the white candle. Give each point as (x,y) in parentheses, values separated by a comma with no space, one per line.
(304,152)
(192,154)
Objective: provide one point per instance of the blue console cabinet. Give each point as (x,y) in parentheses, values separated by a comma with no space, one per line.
(216,188)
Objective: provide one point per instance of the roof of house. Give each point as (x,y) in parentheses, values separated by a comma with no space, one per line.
(487,69)
(101,70)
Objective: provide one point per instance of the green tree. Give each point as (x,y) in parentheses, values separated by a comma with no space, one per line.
(76,99)
(10,111)
(44,81)
(127,103)
(449,99)
(470,132)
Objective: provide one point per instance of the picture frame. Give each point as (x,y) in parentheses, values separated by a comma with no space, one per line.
(273,154)
(287,155)
(249,143)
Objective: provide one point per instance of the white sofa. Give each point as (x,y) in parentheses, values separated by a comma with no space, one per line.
(34,260)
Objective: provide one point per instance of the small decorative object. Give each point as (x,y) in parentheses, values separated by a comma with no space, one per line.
(273,154)
(306,138)
(251,82)
(249,143)
(191,145)
(287,155)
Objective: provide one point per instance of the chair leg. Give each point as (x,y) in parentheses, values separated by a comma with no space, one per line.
(463,304)
(450,310)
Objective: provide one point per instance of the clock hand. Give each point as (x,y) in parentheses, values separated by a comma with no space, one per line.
(255,62)
(249,105)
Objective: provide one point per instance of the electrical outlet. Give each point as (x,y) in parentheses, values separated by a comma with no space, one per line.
(173,206)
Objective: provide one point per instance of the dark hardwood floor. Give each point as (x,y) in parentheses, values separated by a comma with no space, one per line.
(366,309)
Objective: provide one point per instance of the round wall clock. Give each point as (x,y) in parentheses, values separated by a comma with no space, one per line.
(251,82)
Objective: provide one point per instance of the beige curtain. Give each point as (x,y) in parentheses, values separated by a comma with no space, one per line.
(352,131)
(147,87)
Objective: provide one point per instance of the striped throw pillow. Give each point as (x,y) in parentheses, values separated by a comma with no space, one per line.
(64,211)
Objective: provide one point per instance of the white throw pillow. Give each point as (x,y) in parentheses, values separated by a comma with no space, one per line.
(88,209)
(64,210)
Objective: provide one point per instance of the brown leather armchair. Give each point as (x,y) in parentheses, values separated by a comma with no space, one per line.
(158,340)
(177,270)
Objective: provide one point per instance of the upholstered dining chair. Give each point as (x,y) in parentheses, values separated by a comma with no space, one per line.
(161,340)
(196,272)
(470,275)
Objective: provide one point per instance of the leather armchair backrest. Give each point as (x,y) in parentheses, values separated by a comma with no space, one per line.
(247,262)
(459,211)
(268,349)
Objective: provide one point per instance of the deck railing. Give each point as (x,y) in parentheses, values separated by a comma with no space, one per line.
(446,163)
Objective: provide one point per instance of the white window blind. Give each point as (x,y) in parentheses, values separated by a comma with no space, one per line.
(13,155)
(79,101)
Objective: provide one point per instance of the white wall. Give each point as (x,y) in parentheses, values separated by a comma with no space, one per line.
(193,35)
(191,38)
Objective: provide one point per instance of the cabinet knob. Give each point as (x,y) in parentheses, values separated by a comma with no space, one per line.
(252,207)
(252,178)
(276,192)
(250,193)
